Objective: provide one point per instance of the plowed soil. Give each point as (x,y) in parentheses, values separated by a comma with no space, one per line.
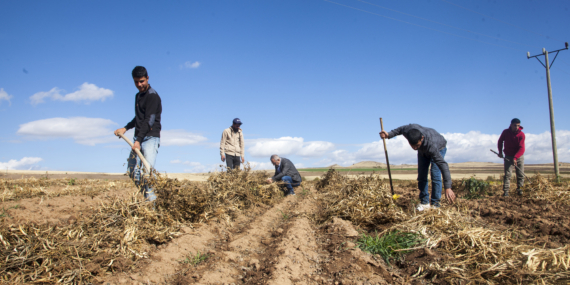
(284,245)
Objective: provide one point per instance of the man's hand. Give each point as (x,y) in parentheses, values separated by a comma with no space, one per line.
(500,155)
(269,180)
(120,131)
(242,160)
(223,158)
(384,134)
(515,161)
(449,195)
(137,145)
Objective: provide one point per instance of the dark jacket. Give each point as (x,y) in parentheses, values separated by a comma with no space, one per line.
(287,169)
(514,143)
(148,108)
(432,144)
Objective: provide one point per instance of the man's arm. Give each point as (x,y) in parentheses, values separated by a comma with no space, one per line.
(149,116)
(242,145)
(131,124)
(285,166)
(520,152)
(500,144)
(223,143)
(402,130)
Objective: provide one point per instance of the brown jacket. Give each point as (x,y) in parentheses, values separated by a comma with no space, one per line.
(232,143)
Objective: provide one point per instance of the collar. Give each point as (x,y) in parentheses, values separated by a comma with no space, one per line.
(146,91)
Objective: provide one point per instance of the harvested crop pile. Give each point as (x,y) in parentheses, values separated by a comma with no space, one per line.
(121,232)
(482,254)
(365,201)
(222,197)
(33,187)
(540,188)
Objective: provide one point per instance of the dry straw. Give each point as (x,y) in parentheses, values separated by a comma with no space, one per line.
(123,230)
(365,201)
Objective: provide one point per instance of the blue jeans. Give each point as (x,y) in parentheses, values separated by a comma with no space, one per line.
(436,187)
(289,184)
(149,149)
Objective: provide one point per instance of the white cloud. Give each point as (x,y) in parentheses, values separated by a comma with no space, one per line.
(288,146)
(471,146)
(180,138)
(190,64)
(255,165)
(24,163)
(87,92)
(5,96)
(87,131)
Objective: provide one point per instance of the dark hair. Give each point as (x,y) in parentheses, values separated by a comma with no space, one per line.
(414,136)
(515,121)
(139,71)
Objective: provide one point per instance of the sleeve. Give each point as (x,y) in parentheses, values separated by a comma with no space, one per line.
(500,143)
(241,143)
(401,130)
(442,165)
(520,152)
(131,124)
(286,168)
(152,107)
(223,143)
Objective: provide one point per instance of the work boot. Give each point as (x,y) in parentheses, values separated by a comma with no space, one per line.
(506,193)
(519,191)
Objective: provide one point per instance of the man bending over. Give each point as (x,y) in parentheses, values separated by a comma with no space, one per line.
(285,171)
(431,147)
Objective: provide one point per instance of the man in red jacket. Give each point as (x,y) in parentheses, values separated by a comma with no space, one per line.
(513,137)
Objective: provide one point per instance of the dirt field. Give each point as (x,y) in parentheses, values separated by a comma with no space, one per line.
(284,243)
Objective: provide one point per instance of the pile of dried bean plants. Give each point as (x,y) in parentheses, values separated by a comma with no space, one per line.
(122,230)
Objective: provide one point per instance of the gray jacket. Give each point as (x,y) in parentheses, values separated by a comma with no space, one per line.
(432,144)
(287,169)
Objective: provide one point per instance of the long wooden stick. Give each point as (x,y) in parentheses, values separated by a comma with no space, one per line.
(387,160)
(138,152)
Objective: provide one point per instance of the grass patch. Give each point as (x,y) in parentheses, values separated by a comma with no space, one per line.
(353,169)
(390,246)
(285,216)
(194,259)
(476,189)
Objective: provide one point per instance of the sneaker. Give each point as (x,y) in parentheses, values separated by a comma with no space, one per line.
(423,207)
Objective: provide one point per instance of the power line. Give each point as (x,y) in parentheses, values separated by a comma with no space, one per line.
(498,20)
(409,23)
(476,33)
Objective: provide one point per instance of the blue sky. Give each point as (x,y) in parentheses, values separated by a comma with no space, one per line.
(309,79)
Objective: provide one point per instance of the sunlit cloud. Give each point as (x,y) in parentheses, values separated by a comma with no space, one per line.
(26,163)
(87,93)
(5,96)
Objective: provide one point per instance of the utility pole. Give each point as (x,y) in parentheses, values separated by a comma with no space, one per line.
(552,128)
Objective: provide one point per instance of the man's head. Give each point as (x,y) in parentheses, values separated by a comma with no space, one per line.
(140,76)
(275,160)
(415,138)
(515,125)
(236,124)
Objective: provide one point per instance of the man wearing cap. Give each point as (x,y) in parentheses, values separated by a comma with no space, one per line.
(431,147)
(232,146)
(513,140)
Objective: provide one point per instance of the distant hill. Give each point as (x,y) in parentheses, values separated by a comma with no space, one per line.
(368,164)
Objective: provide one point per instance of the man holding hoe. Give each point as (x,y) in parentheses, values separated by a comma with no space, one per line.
(513,139)
(148,108)
(431,147)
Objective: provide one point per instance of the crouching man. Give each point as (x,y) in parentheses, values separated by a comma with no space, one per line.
(285,171)
(431,147)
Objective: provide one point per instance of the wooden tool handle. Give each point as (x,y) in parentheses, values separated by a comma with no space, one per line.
(138,152)
(387,160)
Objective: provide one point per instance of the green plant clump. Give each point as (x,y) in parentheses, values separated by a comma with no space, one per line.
(194,259)
(71,182)
(390,246)
(476,188)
